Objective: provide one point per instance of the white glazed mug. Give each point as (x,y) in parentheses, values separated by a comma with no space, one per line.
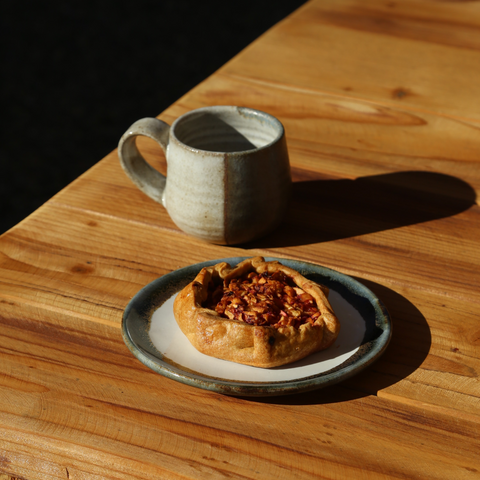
(228,174)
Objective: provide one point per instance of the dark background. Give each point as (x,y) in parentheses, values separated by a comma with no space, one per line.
(77,73)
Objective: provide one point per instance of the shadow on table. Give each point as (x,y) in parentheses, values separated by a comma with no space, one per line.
(408,348)
(326,210)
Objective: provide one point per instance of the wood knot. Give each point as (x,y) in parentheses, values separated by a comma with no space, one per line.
(399,93)
(82,269)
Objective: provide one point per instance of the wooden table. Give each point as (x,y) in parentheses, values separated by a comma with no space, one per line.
(381,105)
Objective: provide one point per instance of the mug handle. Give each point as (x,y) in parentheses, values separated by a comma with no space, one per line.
(142,174)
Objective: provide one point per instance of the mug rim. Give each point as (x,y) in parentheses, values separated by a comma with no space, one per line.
(258,113)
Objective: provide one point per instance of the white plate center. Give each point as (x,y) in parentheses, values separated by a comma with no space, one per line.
(170,341)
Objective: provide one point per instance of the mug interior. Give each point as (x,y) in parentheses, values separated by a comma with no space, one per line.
(226,129)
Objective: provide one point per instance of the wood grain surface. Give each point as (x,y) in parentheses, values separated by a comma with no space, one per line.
(381,105)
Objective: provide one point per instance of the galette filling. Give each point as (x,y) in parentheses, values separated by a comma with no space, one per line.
(270,299)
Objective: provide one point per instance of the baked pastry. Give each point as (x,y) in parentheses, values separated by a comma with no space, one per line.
(258,313)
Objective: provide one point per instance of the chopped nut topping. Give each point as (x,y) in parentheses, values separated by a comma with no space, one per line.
(263,299)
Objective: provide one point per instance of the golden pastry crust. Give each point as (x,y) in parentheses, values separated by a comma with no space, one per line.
(271,344)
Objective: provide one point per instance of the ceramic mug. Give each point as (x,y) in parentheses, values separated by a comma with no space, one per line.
(228,174)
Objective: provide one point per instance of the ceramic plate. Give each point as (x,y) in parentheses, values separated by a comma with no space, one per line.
(151,333)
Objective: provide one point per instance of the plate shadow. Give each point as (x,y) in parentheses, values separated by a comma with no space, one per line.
(409,346)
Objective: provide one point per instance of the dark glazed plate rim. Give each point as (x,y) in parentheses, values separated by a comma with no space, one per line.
(138,313)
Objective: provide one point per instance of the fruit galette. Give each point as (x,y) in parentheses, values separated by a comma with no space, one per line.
(258,313)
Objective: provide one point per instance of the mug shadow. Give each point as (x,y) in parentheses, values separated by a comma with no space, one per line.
(408,348)
(326,210)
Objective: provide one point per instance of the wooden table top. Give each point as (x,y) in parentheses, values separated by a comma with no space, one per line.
(381,105)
